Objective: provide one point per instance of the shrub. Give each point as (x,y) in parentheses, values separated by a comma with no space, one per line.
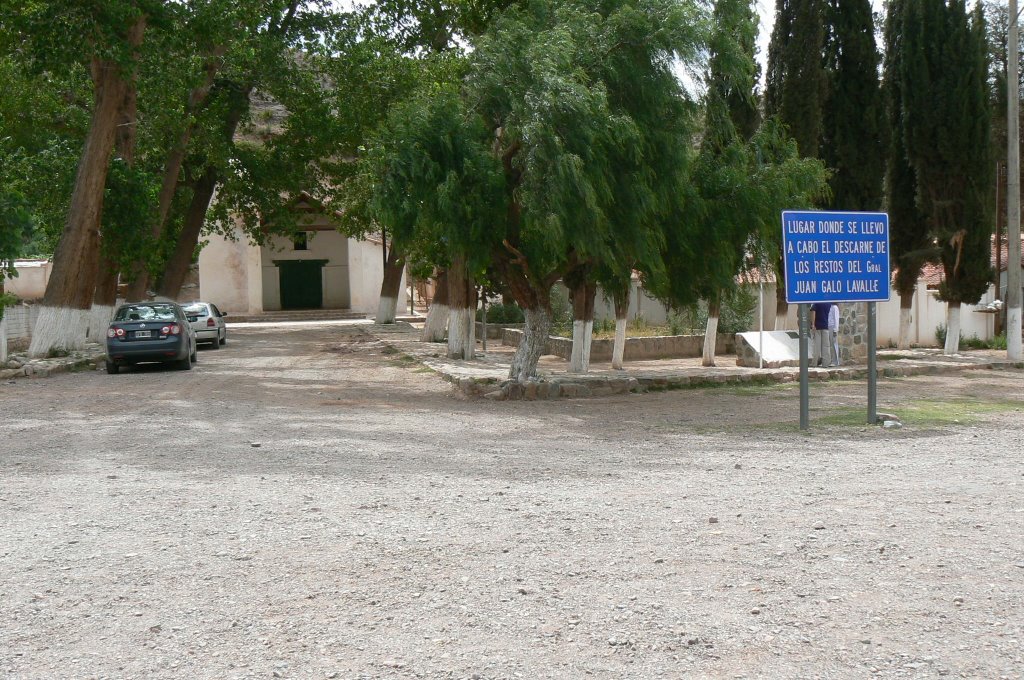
(974,342)
(675,323)
(561,311)
(502,313)
(6,300)
(738,310)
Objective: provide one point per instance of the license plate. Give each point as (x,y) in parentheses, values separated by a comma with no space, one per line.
(143,334)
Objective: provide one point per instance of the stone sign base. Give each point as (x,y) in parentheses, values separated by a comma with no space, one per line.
(782,348)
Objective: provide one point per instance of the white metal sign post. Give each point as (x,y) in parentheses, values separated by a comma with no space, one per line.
(835,257)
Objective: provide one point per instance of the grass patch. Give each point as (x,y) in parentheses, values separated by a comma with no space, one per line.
(926,412)
(403,361)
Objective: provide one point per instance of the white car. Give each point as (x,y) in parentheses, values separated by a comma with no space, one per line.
(208,323)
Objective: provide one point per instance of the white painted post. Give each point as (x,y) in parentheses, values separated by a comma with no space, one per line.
(760,325)
(1013,291)
(3,338)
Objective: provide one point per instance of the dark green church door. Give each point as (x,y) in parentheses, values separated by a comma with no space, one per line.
(301,284)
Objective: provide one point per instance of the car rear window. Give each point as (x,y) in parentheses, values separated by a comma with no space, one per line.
(143,312)
(196,310)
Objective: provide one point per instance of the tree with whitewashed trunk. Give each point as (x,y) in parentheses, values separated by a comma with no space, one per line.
(946,128)
(593,179)
(621,303)
(394,267)
(436,326)
(461,304)
(431,182)
(583,294)
(563,122)
(124,209)
(744,175)
(63,318)
(616,282)
(910,239)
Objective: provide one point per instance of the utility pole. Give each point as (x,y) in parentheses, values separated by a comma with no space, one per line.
(1013,294)
(1000,180)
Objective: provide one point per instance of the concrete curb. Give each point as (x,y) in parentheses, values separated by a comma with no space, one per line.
(44,368)
(588,386)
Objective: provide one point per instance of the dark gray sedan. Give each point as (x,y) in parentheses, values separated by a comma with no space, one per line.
(150,332)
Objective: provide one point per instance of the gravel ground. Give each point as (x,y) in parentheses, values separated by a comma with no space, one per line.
(304,505)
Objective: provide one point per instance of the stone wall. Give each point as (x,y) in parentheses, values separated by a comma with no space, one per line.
(853,332)
(494,330)
(637,349)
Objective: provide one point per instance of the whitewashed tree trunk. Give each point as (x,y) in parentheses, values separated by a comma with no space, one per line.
(391,285)
(583,294)
(535,337)
(387,308)
(952,328)
(461,303)
(461,340)
(437,323)
(437,316)
(619,345)
(59,329)
(710,339)
(99,321)
(906,319)
(582,337)
(3,338)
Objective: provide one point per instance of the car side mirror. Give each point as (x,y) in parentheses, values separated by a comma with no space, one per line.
(223,314)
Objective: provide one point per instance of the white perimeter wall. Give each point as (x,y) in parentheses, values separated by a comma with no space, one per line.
(30,284)
(640,304)
(928,312)
(926,315)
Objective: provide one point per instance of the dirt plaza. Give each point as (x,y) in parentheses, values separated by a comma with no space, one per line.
(305,503)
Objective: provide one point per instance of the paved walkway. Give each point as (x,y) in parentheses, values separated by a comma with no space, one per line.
(488,372)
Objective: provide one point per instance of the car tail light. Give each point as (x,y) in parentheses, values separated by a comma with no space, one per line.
(115,332)
(210,323)
(173,329)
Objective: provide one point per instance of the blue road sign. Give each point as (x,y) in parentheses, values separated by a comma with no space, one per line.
(835,256)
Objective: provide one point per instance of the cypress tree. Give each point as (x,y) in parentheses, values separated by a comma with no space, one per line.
(852,139)
(795,87)
(910,241)
(796,82)
(946,127)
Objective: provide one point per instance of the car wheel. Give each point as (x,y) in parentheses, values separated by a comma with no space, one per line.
(184,364)
(215,344)
(224,340)
(112,368)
